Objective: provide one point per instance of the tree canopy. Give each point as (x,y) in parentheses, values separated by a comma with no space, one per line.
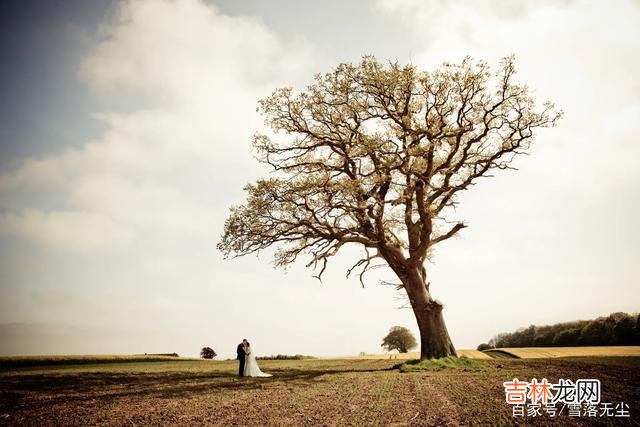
(376,155)
(399,338)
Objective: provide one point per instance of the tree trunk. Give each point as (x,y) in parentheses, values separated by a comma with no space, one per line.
(434,337)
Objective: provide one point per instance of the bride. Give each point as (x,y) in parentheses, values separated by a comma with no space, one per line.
(251,368)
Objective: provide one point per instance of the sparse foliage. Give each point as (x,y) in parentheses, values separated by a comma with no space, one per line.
(399,338)
(376,156)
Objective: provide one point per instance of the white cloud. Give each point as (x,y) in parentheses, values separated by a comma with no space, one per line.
(569,51)
(165,167)
(75,231)
(168,48)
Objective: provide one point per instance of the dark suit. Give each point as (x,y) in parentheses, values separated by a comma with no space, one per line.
(241,357)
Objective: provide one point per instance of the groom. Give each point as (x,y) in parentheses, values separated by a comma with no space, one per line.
(241,356)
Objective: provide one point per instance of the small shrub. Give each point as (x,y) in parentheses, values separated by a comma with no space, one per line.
(484,346)
(207,353)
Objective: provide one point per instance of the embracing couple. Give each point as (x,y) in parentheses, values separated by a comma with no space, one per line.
(248,364)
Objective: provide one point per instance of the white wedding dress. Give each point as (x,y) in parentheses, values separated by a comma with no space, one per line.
(251,368)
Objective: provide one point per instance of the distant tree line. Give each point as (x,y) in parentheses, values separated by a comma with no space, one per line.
(285,357)
(616,329)
(162,354)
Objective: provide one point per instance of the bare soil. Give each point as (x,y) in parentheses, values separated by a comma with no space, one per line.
(301,393)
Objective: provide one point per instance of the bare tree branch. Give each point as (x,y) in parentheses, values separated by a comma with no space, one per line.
(376,156)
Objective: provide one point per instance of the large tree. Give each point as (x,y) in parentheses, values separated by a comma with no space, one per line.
(375,155)
(399,338)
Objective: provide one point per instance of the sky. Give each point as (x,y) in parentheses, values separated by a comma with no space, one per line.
(124,139)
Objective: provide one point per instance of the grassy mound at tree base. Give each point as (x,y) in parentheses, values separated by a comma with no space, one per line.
(463,363)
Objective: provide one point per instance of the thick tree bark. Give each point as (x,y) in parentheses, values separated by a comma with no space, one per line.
(434,337)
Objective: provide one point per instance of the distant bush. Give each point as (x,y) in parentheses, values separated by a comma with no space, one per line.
(616,329)
(484,346)
(207,353)
(285,357)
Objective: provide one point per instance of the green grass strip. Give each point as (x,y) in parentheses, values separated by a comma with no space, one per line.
(463,363)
